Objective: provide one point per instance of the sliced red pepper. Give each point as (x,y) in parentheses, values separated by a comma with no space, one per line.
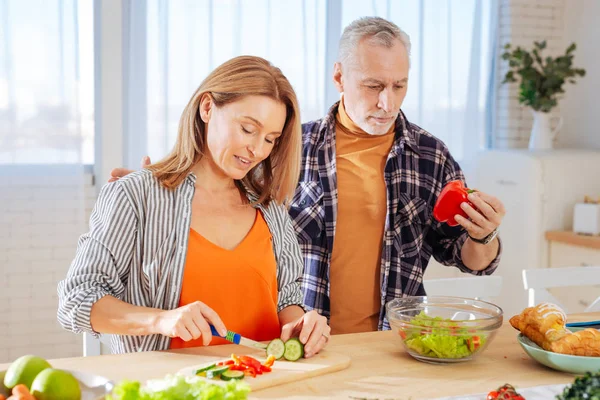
(402,334)
(250,372)
(264,368)
(223,363)
(448,202)
(251,362)
(474,343)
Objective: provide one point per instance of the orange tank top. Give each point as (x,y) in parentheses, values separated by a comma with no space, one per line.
(239,284)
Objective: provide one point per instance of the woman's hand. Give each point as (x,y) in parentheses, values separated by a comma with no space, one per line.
(312,330)
(189,322)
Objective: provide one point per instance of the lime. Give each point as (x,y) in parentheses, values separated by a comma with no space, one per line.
(55,384)
(3,390)
(24,370)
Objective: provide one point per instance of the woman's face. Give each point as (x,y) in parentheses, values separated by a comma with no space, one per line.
(240,135)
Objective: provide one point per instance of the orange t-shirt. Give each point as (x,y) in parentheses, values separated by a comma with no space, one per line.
(239,284)
(354,274)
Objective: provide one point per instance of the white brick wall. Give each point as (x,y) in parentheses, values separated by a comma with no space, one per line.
(521,22)
(41,218)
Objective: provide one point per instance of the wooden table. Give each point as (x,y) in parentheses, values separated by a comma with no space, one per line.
(380,369)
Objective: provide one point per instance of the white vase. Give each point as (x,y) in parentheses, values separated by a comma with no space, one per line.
(542,135)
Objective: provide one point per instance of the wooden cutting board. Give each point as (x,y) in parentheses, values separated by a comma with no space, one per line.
(287,371)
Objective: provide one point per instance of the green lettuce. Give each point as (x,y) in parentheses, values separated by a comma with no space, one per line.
(441,338)
(179,387)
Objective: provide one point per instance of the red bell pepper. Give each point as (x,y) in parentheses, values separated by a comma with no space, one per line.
(448,202)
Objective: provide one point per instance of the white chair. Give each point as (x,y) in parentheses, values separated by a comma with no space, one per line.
(536,281)
(477,287)
(96,347)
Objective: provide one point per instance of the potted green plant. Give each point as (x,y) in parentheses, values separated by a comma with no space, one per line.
(541,81)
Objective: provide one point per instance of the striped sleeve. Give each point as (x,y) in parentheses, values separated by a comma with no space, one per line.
(102,260)
(290,263)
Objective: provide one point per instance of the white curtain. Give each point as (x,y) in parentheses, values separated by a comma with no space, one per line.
(174,44)
(46,82)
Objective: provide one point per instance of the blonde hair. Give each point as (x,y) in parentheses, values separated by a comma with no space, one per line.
(277,176)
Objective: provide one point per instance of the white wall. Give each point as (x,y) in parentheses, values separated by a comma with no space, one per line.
(521,22)
(41,218)
(580,106)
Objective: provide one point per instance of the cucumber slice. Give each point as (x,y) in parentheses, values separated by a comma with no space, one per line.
(294,350)
(216,372)
(232,375)
(202,371)
(276,348)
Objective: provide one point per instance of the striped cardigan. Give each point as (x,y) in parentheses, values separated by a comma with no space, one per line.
(136,248)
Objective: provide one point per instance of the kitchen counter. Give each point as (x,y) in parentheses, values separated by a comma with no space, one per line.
(380,369)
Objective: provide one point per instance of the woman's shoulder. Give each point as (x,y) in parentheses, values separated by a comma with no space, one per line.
(138,186)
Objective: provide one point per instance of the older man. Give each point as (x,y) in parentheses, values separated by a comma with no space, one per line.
(370,179)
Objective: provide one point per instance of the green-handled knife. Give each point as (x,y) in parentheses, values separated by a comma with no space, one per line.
(239,339)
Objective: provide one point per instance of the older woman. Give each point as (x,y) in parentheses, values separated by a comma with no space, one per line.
(203,236)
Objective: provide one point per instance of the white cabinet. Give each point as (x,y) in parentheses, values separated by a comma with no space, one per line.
(567,249)
(539,190)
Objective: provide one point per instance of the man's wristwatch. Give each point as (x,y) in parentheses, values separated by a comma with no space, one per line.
(486,239)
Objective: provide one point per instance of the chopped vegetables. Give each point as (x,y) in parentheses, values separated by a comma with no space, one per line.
(276,348)
(505,392)
(270,361)
(294,350)
(236,368)
(204,369)
(232,375)
(216,372)
(291,350)
(440,338)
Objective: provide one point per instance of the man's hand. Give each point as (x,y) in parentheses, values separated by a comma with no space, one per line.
(118,173)
(485,219)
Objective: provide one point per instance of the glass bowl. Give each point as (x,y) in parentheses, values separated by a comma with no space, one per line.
(442,329)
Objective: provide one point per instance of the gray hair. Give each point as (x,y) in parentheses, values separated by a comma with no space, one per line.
(379,30)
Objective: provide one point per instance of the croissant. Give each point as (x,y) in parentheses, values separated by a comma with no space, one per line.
(544,324)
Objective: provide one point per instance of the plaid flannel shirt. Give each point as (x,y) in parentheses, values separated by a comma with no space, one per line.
(416,170)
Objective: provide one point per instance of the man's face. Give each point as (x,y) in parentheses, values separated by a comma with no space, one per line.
(373,80)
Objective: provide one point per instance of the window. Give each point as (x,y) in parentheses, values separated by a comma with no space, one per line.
(46,82)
